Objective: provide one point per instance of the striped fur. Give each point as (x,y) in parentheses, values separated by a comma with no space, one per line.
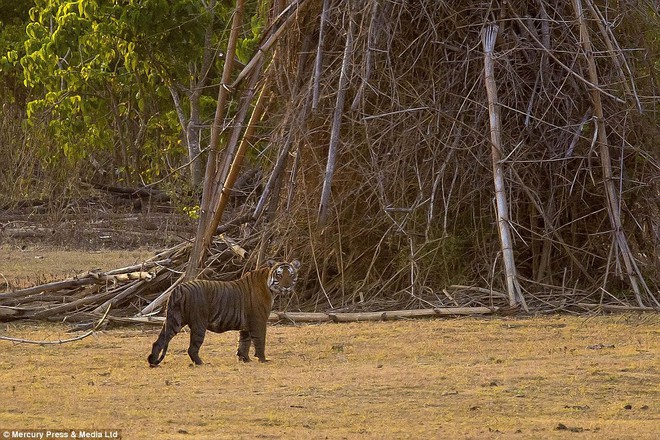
(220,306)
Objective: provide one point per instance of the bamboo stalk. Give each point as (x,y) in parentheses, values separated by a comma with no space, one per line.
(374,24)
(259,56)
(142,267)
(128,291)
(301,317)
(199,247)
(513,287)
(89,300)
(616,53)
(6,312)
(222,196)
(153,305)
(336,127)
(117,275)
(613,204)
(273,178)
(56,285)
(409,314)
(615,308)
(318,64)
(567,68)
(60,341)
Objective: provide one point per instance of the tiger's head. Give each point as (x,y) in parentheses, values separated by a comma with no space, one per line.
(282,277)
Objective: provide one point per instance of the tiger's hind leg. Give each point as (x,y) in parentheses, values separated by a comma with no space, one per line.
(244,342)
(197,335)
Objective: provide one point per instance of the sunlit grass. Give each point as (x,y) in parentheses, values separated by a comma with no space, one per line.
(462,378)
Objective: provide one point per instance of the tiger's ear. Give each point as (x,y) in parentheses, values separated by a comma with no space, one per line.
(295,264)
(270,263)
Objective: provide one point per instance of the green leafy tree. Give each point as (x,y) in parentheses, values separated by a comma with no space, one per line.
(13,18)
(127,80)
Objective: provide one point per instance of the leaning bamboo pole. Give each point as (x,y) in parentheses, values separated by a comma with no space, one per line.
(512,285)
(237,161)
(200,246)
(613,204)
(318,63)
(336,126)
(215,184)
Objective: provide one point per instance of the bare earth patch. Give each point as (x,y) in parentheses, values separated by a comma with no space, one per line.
(545,377)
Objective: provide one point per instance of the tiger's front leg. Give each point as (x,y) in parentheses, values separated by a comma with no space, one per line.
(259,339)
(244,342)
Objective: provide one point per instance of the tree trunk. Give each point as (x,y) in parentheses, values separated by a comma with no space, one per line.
(193,140)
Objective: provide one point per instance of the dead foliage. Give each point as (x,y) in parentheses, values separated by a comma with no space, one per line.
(385,157)
(386,110)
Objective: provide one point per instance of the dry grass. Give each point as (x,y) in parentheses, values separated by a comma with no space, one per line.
(467,378)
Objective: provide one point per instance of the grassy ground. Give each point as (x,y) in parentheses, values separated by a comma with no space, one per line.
(542,377)
(551,377)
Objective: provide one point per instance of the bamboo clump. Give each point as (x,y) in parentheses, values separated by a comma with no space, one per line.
(406,148)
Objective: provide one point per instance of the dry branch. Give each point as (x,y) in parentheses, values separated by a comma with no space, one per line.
(613,203)
(414,225)
(60,341)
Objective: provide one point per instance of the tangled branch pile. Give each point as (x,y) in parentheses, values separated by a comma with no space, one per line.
(386,104)
(387,148)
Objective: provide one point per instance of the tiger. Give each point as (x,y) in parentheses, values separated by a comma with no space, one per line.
(220,306)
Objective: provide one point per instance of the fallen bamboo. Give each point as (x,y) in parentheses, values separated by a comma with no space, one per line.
(60,341)
(92,277)
(63,296)
(6,311)
(55,285)
(73,305)
(380,316)
(616,308)
(308,317)
(156,303)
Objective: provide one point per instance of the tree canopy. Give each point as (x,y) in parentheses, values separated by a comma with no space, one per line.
(127,82)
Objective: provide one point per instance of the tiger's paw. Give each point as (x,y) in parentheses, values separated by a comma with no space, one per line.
(153,360)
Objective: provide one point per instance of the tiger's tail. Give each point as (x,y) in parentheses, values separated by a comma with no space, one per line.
(171,327)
